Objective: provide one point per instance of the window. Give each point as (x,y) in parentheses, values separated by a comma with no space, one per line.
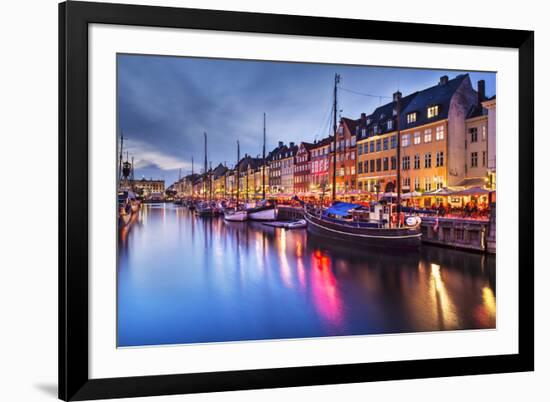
(483,133)
(353,170)
(428,135)
(371,146)
(341,130)
(385,144)
(347,143)
(375,128)
(393,141)
(386,164)
(473,159)
(363,132)
(378,145)
(393,162)
(433,111)
(390,124)
(406,162)
(360,167)
(360,149)
(484,158)
(427,184)
(378,164)
(372,165)
(439,159)
(341,171)
(416,183)
(352,154)
(438,182)
(405,140)
(417,138)
(411,118)
(428,160)
(473,134)
(353,139)
(417,161)
(439,133)
(407,182)
(366,166)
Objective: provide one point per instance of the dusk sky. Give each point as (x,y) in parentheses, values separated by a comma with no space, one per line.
(166,103)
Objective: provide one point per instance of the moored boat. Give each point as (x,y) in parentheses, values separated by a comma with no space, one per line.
(368,226)
(233,215)
(266,212)
(299,224)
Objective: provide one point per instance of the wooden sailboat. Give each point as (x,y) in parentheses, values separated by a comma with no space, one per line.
(236,214)
(366,226)
(266,211)
(204,208)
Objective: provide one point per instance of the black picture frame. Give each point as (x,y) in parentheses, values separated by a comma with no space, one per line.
(74,18)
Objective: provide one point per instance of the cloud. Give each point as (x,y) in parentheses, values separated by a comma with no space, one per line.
(147,156)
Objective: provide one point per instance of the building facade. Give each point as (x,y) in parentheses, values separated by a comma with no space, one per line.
(302,169)
(320,166)
(287,169)
(346,138)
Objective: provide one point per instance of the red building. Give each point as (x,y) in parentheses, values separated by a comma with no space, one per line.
(346,136)
(320,179)
(302,169)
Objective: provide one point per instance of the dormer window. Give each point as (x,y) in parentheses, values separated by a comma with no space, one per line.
(411,118)
(375,129)
(433,111)
(368,121)
(390,124)
(363,132)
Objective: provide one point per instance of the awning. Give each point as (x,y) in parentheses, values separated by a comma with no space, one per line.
(341,208)
(473,191)
(473,182)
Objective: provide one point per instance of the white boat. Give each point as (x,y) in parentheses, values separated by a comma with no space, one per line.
(235,216)
(299,224)
(262,213)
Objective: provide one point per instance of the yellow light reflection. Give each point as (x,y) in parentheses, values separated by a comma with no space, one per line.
(444,307)
(489,301)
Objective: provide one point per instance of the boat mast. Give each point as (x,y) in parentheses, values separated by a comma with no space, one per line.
(205,168)
(263,165)
(238,173)
(335,127)
(120,158)
(398,113)
(192,178)
(210,175)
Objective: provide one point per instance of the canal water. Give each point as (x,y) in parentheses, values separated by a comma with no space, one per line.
(185,279)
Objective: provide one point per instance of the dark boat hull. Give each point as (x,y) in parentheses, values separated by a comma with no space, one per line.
(409,238)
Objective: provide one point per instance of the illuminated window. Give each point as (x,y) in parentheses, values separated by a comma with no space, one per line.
(411,117)
(406,140)
(390,124)
(417,183)
(427,184)
(417,138)
(407,182)
(483,133)
(433,111)
(428,135)
(440,133)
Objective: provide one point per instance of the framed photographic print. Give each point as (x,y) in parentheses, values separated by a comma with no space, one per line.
(257,200)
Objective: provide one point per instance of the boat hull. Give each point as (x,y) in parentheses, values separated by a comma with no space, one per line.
(239,216)
(262,214)
(409,238)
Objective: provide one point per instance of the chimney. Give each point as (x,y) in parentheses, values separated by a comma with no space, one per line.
(443,80)
(363,119)
(480,91)
(280,143)
(291,145)
(396,96)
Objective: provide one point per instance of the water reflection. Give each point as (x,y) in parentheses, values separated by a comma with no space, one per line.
(184,279)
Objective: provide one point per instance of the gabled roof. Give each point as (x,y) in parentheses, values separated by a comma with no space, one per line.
(307,145)
(351,124)
(219,171)
(322,143)
(440,95)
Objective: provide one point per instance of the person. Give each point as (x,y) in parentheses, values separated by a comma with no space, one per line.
(441,209)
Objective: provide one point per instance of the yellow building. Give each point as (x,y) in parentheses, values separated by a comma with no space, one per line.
(432,129)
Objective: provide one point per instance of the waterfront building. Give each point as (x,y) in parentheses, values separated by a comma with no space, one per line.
(274,163)
(219,181)
(346,137)
(320,155)
(302,169)
(490,105)
(288,159)
(147,187)
(432,128)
